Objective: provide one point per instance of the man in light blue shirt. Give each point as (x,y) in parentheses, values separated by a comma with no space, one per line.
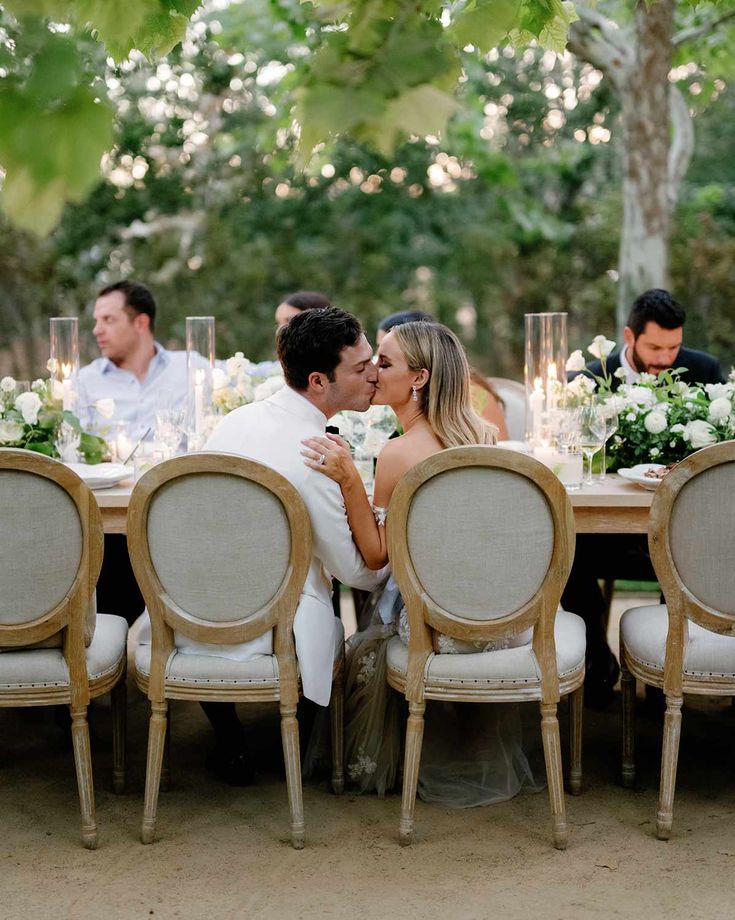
(135,371)
(140,376)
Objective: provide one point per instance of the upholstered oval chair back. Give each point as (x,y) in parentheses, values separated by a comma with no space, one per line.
(702,536)
(220,544)
(41,537)
(480,540)
(513,395)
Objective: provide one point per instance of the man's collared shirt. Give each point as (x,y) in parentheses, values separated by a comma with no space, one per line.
(631,374)
(164,386)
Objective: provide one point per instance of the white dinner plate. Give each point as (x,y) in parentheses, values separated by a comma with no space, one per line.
(100,475)
(637,474)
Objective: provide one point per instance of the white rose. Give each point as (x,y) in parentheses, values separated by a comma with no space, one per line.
(105,407)
(620,373)
(680,388)
(245,388)
(28,405)
(219,379)
(630,417)
(236,364)
(655,422)
(38,386)
(647,378)
(575,362)
(581,385)
(600,347)
(268,388)
(10,432)
(642,396)
(699,433)
(676,429)
(719,409)
(7,384)
(718,390)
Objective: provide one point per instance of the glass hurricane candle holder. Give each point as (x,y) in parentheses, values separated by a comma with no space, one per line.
(545,373)
(199,366)
(63,363)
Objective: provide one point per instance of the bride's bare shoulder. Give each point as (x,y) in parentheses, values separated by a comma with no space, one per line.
(400,454)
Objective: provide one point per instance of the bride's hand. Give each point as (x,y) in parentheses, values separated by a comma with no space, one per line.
(330,455)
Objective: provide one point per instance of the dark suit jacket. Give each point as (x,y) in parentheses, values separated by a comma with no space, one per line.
(700,367)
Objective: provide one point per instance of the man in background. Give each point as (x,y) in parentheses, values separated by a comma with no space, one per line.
(135,370)
(652,344)
(139,375)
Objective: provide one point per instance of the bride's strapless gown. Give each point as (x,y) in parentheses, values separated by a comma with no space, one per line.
(472,754)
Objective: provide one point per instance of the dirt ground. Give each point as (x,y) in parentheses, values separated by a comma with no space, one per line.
(224,852)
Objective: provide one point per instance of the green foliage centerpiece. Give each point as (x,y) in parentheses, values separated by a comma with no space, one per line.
(34,421)
(661,419)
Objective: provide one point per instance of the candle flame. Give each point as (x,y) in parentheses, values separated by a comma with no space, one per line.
(551,372)
(66,371)
(538,384)
(199,376)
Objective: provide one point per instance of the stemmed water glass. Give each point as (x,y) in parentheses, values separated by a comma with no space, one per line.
(610,412)
(593,432)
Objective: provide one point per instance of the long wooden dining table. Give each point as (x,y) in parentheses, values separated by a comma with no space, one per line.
(612,506)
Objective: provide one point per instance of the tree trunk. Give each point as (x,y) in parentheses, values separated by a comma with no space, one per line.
(647,193)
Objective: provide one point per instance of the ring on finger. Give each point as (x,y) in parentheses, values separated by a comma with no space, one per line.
(322,459)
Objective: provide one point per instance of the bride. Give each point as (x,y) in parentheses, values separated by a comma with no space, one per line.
(425,378)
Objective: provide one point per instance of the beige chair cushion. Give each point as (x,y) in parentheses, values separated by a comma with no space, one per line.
(511,666)
(643,632)
(30,668)
(213,670)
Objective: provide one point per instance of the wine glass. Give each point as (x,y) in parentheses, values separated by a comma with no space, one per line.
(610,411)
(592,434)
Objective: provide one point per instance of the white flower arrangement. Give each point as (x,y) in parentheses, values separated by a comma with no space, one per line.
(32,421)
(662,418)
(366,432)
(243,382)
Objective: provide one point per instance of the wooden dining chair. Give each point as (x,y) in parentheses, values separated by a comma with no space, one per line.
(54,648)
(513,395)
(686,645)
(481,542)
(221,547)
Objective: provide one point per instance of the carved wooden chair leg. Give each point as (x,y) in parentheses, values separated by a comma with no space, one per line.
(669,758)
(576,709)
(628,686)
(292,760)
(119,699)
(337,707)
(156,743)
(166,765)
(554,777)
(85,782)
(411,761)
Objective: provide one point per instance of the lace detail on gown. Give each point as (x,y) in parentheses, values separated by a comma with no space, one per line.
(473,753)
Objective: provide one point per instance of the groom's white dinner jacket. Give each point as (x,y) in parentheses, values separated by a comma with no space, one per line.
(271,432)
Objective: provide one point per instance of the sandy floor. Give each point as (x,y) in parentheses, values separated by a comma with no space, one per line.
(223,852)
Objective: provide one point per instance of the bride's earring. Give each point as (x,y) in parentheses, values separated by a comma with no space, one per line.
(414,394)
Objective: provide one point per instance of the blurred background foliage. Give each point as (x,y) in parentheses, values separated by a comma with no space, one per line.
(516,209)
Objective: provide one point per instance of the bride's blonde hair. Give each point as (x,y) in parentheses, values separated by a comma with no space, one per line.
(445,398)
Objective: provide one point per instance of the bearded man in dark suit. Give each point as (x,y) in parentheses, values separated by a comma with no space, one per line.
(653,343)
(653,340)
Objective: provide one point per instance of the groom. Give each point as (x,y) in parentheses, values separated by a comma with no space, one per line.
(328,367)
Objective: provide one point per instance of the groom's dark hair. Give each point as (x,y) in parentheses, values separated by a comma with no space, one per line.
(313,341)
